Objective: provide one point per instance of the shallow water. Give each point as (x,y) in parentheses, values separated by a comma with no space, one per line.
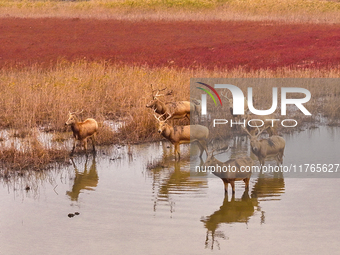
(145,203)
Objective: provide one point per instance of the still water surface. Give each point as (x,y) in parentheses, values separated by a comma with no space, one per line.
(145,203)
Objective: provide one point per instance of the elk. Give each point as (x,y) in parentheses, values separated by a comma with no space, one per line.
(170,110)
(184,134)
(232,170)
(82,130)
(195,107)
(272,146)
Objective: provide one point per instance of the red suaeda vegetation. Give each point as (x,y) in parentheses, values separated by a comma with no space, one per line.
(190,44)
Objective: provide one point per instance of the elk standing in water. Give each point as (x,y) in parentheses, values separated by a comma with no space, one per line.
(184,134)
(232,170)
(82,130)
(272,146)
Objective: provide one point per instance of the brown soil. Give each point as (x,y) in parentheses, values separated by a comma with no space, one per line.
(209,44)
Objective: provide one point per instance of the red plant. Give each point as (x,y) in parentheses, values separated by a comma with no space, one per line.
(189,44)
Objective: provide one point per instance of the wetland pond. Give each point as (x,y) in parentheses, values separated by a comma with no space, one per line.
(143,202)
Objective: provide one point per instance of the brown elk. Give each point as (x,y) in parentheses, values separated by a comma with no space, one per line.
(184,134)
(272,146)
(82,130)
(195,108)
(170,110)
(230,171)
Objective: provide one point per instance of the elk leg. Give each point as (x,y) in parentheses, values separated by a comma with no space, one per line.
(177,152)
(278,159)
(246,182)
(201,148)
(74,146)
(204,147)
(281,157)
(85,144)
(232,183)
(261,162)
(93,142)
(225,186)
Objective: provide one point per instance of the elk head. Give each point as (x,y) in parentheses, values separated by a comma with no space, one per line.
(153,102)
(254,142)
(161,123)
(72,118)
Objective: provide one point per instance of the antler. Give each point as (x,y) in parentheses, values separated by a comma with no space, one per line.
(169,116)
(260,131)
(246,131)
(158,118)
(157,93)
(225,95)
(76,112)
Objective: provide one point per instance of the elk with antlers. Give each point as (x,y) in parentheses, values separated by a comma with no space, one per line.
(170,110)
(184,134)
(232,170)
(82,130)
(272,146)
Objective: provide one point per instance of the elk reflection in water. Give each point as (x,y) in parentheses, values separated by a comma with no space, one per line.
(242,209)
(172,177)
(86,180)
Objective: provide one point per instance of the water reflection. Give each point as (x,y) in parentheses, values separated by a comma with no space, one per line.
(269,187)
(235,210)
(240,210)
(86,180)
(133,194)
(172,177)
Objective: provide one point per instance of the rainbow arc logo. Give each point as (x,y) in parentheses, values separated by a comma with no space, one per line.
(209,93)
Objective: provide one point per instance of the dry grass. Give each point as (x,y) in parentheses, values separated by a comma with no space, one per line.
(31,155)
(286,10)
(35,97)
